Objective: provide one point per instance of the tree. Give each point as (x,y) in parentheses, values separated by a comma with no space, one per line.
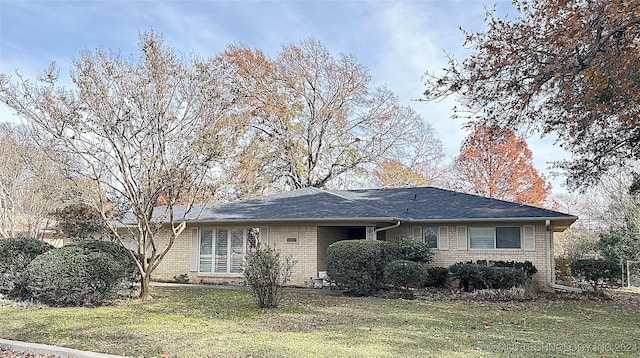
(79,221)
(621,243)
(495,163)
(141,128)
(566,67)
(314,120)
(31,184)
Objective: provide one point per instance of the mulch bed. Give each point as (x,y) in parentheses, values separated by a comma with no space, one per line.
(607,296)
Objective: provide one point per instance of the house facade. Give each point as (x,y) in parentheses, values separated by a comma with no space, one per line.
(303,223)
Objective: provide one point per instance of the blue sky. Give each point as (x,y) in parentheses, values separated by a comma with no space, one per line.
(398,41)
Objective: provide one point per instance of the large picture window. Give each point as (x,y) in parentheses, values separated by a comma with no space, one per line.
(223,250)
(489,238)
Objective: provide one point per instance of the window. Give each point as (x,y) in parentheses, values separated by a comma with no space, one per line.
(437,237)
(431,236)
(223,250)
(489,238)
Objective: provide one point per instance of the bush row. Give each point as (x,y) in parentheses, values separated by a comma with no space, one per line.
(85,273)
(359,265)
(363,266)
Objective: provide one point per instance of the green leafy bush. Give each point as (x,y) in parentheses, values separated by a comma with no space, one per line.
(129,269)
(15,256)
(596,272)
(437,277)
(357,265)
(526,267)
(478,277)
(72,276)
(404,274)
(266,272)
(410,250)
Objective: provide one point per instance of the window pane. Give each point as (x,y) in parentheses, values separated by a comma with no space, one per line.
(206,245)
(430,237)
(253,238)
(237,250)
(508,238)
(481,237)
(222,247)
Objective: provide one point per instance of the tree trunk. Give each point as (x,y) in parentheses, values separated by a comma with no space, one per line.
(145,292)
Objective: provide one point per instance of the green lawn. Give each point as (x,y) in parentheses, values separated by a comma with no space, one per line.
(197,322)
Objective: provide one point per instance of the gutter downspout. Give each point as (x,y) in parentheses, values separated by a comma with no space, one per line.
(549,268)
(376,231)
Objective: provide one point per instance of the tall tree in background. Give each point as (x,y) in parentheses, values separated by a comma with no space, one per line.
(566,67)
(31,184)
(315,121)
(494,163)
(141,128)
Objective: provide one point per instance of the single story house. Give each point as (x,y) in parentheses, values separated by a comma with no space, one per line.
(303,223)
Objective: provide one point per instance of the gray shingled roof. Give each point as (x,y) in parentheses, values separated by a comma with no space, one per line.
(416,204)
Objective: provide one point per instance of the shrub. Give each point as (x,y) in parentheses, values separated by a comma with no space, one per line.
(437,277)
(266,272)
(410,250)
(182,278)
(404,274)
(526,267)
(15,256)
(598,273)
(357,265)
(129,270)
(479,277)
(73,276)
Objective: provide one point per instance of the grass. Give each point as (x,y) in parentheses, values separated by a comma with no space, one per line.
(213,322)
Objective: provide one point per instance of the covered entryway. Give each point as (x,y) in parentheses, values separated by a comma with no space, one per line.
(327,235)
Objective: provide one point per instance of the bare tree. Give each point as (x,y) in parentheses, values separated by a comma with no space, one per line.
(141,128)
(314,120)
(31,184)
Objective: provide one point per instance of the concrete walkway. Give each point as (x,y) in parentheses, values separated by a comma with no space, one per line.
(46,349)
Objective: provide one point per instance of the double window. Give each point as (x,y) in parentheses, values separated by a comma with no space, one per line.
(500,237)
(222,250)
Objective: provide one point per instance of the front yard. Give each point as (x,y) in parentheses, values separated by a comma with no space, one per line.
(201,322)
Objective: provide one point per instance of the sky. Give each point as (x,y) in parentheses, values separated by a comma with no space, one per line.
(397,41)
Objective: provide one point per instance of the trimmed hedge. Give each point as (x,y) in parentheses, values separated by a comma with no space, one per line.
(357,265)
(437,277)
(15,256)
(405,274)
(598,273)
(88,273)
(479,277)
(409,250)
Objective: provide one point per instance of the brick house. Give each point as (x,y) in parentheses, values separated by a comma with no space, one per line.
(303,223)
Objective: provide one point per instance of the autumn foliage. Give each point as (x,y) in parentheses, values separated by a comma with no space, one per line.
(495,163)
(569,67)
(312,119)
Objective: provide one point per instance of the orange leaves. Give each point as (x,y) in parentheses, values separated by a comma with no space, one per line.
(493,162)
(570,67)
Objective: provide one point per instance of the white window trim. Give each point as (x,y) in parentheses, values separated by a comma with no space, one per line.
(494,238)
(213,249)
(442,241)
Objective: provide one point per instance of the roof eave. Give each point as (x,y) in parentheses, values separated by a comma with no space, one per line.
(558,223)
(296,220)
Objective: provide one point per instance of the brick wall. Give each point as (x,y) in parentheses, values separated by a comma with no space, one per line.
(309,252)
(327,235)
(446,258)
